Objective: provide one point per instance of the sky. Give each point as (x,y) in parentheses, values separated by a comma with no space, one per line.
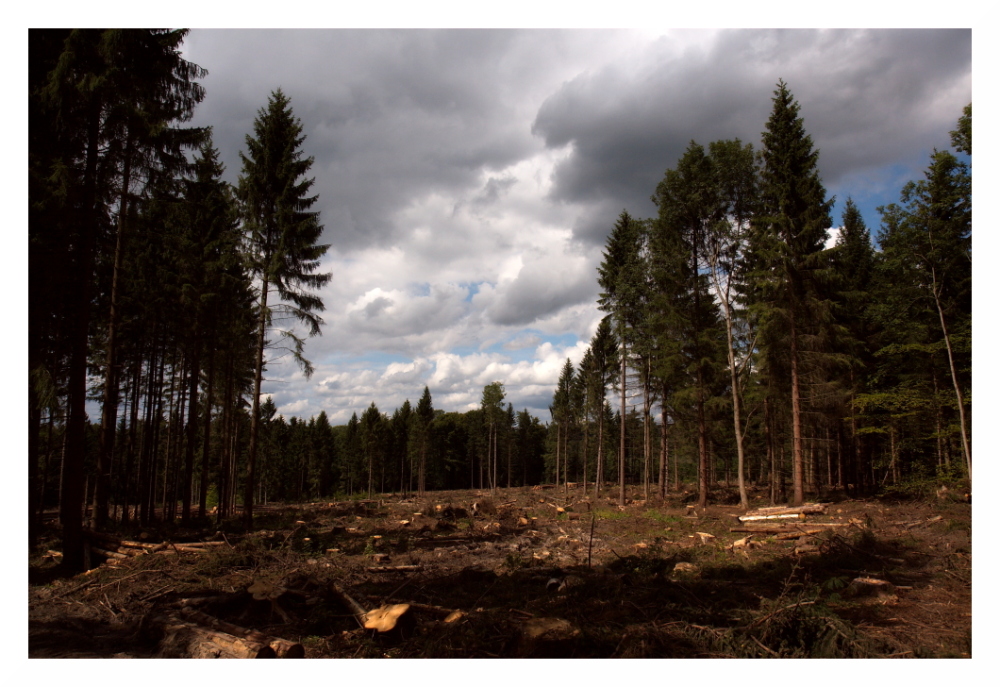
(468,179)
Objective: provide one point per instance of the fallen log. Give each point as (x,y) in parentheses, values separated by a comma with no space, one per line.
(441,541)
(805,509)
(787,536)
(356,609)
(787,529)
(450,614)
(108,554)
(775,516)
(184,639)
(203,600)
(283,648)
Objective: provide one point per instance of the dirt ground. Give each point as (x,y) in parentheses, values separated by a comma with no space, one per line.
(537,572)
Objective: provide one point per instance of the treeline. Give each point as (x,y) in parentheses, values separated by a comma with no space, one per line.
(742,349)
(411,451)
(155,287)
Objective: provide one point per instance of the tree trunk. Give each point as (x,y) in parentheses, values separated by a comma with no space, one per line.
(664,450)
(702,447)
(205,444)
(621,449)
(109,412)
(966,448)
(191,430)
(255,412)
(75,448)
(646,440)
(797,455)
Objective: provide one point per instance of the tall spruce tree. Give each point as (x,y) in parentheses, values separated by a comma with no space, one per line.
(622,282)
(854,261)
(282,236)
(786,253)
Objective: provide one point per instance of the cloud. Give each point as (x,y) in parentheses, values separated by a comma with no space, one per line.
(468,180)
(869,99)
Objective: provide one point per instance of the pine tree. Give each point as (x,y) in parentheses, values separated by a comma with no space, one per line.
(281,235)
(787,243)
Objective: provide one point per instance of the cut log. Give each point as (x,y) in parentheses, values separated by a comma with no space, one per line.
(283,648)
(450,614)
(183,639)
(805,509)
(108,554)
(797,534)
(776,516)
(441,541)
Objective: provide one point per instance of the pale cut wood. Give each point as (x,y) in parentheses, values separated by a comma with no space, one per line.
(805,508)
(385,618)
(108,554)
(185,639)
(283,648)
(776,516)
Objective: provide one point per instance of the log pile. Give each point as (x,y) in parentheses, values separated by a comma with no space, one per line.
(784,513)
(115,548)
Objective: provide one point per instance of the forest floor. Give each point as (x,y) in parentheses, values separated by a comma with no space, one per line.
(533,572)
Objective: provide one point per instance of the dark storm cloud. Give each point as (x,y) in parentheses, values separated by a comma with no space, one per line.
(869,99)
(390,116)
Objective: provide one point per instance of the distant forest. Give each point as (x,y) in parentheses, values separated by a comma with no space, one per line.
(748,352)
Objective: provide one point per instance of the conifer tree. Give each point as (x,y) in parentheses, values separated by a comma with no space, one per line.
(927,252)
(787,243)
(282,236)
(689,205)
(492,406)
(622,282)
(726,242)
(604,352)
(855,266)
(423,418)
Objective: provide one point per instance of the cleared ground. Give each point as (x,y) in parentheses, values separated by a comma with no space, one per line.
(539,572)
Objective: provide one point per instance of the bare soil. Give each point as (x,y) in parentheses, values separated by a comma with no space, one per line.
(539,572)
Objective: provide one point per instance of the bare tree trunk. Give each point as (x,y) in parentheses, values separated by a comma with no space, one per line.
(966,448)
(621,451)
(255,412)
(664,451)
(797,454)
(646,441)
(599,472)
(109,412)
(192,431)
(206,443)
